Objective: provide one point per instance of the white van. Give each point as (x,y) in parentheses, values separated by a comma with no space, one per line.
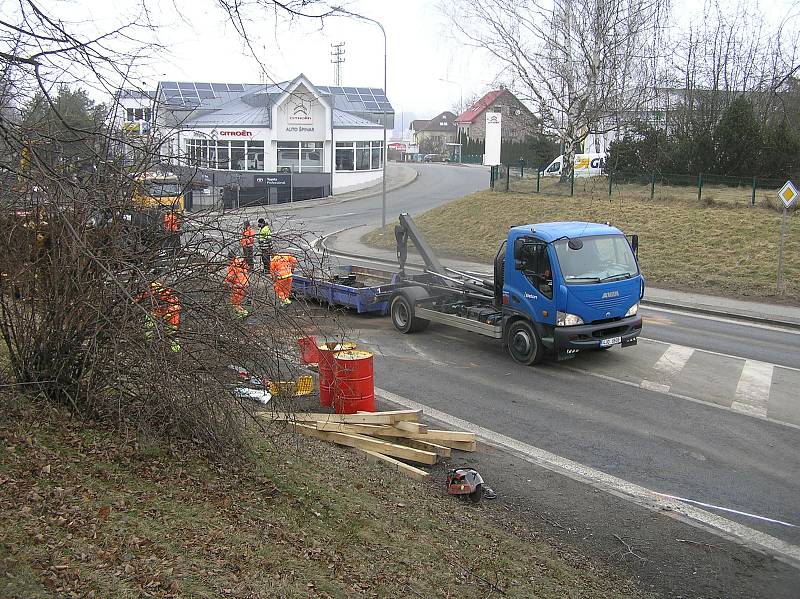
(586,165)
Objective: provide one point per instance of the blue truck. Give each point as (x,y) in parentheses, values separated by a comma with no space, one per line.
(557,288)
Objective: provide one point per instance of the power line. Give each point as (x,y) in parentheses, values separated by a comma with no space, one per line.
(337,60)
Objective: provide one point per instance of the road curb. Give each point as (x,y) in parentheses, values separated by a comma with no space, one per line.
(693,309)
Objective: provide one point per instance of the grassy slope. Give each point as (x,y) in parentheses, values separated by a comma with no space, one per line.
(720,249)
(83,515)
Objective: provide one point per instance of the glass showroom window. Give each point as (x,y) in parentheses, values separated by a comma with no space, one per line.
(362,156)
(377,154)
(358,155)
(288,156)
(344,156)
(311,157)
(223,156)
(237,156)
(255,155)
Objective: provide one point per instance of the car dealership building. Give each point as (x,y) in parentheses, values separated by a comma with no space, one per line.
(272,142)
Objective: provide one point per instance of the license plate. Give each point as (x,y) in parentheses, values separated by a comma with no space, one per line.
(610,341)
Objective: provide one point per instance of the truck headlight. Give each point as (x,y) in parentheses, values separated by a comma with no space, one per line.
(563,319)
(633,310)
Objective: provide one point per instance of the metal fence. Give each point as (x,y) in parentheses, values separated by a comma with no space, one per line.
(662,186)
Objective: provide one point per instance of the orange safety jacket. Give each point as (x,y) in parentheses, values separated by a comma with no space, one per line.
(248,238)
(165,304)
(282,266)
(238,274)
(171,222)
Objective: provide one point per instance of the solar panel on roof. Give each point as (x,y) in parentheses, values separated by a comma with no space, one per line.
(202,86)
(385,105)
(206,93)
(183,85)
(323,89)
(381,98)
(363,90)
(336,90)
(349,90)
(375,91)
(371,105)
(169,85)
(219,87)
(353,98)
(235,87)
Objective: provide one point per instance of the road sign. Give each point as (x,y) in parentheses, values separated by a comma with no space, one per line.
(788,194)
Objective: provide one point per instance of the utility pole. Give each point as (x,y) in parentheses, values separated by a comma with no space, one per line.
(337,60)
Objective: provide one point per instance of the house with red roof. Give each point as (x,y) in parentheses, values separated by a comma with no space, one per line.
(518,122)
(433,135)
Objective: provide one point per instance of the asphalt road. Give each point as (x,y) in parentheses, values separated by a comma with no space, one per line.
(670,414)
(436,184)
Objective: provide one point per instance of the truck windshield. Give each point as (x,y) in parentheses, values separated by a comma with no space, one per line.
(161,190)
(602,258)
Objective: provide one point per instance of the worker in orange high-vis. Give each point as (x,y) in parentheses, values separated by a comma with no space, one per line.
(165,307)
(237,280)
(281,267)
(248,242)
(171,227)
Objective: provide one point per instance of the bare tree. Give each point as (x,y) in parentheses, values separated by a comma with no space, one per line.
(585,65)
(81,320)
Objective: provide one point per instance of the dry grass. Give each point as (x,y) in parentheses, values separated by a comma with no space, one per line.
(712,248)
(84,515)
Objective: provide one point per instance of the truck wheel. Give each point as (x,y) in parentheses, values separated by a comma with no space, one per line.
(403,319)
(524,344)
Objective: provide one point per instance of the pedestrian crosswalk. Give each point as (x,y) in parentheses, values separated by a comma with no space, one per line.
(749,387)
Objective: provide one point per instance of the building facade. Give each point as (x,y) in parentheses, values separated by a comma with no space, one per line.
(518,122)
(277,142)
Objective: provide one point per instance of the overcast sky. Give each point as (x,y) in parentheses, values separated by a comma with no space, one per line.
(421,48)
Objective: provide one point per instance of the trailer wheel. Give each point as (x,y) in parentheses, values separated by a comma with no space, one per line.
(524,344)
(403,319)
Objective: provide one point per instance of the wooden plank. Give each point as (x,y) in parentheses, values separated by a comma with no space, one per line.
(436,437)
(364,442)
(412,427)
(368,418)
(437,449)
(359,429)
(407,469)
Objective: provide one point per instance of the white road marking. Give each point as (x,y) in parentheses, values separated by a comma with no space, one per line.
(743,323)
(752,392)
(729,510)
(668,367)
(621,488)
(675,395)
(716,353)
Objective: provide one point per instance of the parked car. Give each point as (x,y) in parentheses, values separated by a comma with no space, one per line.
(433,158)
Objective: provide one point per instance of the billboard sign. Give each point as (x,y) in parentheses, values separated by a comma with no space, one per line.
(493,140)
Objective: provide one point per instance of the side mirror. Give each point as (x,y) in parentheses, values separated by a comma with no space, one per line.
(634,241)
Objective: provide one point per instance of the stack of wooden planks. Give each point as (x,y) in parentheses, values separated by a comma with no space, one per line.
(393,437)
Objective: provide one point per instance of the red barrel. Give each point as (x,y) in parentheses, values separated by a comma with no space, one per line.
(354,381)
(326,378)
(309,354)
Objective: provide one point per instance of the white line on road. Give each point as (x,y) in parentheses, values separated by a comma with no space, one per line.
(668,367)
(752,392)
(720,354)
(621,488)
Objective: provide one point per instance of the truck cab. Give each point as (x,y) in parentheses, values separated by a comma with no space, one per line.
(564,287)
(158,192)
